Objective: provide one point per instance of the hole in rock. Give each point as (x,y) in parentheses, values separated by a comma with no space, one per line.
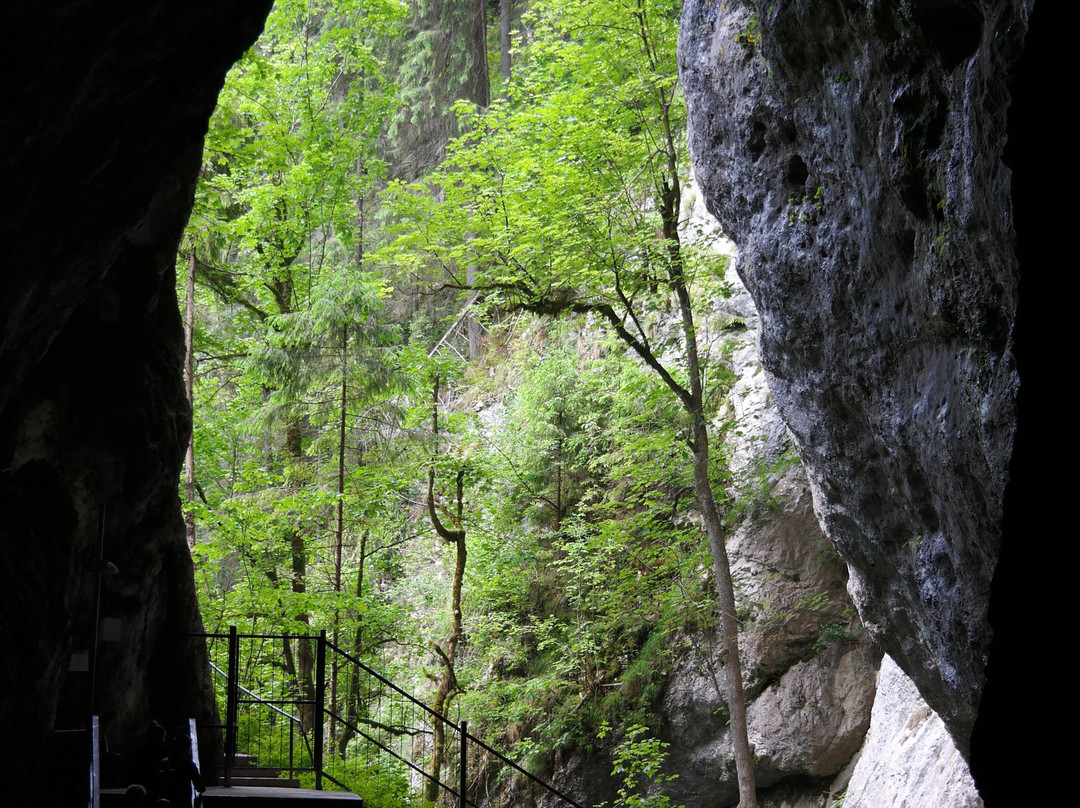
(796,172)
(953,28)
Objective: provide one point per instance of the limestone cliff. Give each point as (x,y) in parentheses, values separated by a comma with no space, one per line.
(853,151)
(861,155)
(908,758)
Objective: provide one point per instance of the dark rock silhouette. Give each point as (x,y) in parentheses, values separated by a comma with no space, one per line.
(104,111)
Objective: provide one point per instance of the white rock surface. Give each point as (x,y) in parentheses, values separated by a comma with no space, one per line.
(908,759)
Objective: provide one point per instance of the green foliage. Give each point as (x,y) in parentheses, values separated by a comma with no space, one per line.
(573,616)
(550,195)
(639,760)
(586,557)
(381,783)
(754,486)
(750,36)
(850,631)
(297,116)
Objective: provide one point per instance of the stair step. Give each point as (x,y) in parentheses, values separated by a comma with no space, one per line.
(256,771)
(258,797)
(268,780)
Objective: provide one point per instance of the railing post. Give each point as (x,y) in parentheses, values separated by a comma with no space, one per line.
(193,737)
(464,759)
(320,708)
(292,746)
(232,705)
(95,762)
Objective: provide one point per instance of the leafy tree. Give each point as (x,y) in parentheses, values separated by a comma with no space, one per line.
(567,199)
(639,760)
(290,158)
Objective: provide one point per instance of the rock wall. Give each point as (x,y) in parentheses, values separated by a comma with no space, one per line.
(809,668)
(853,152)
(104,111)
(892,174)
(908,758)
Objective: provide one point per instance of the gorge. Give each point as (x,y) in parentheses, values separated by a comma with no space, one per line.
(889,173)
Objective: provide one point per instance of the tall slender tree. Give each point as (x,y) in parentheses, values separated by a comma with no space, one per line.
(571,198)
(453,533)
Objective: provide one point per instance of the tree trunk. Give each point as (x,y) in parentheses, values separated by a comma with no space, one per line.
(670,207)
(729,623)
(282,291)
(305,654)
(699,444)
(447,652)
(339,532)
(479,84)
(505,8)
(352,696)
(189,387)
(559,473)
(725,588)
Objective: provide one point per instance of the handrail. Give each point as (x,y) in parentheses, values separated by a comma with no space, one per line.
(294,721)
(95,761)
(193,741)
(498,755)
(260,700)
(323,712)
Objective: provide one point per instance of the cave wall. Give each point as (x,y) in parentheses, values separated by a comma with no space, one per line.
(104,111)
(861,154)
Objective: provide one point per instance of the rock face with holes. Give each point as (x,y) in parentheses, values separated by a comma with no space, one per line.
(853,151)
(103,118)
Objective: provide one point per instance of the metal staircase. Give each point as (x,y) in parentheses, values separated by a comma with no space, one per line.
(370,730)
(289,745)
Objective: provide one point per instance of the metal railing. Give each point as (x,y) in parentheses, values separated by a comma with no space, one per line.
(374,730)
(258,725)
(256,744)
